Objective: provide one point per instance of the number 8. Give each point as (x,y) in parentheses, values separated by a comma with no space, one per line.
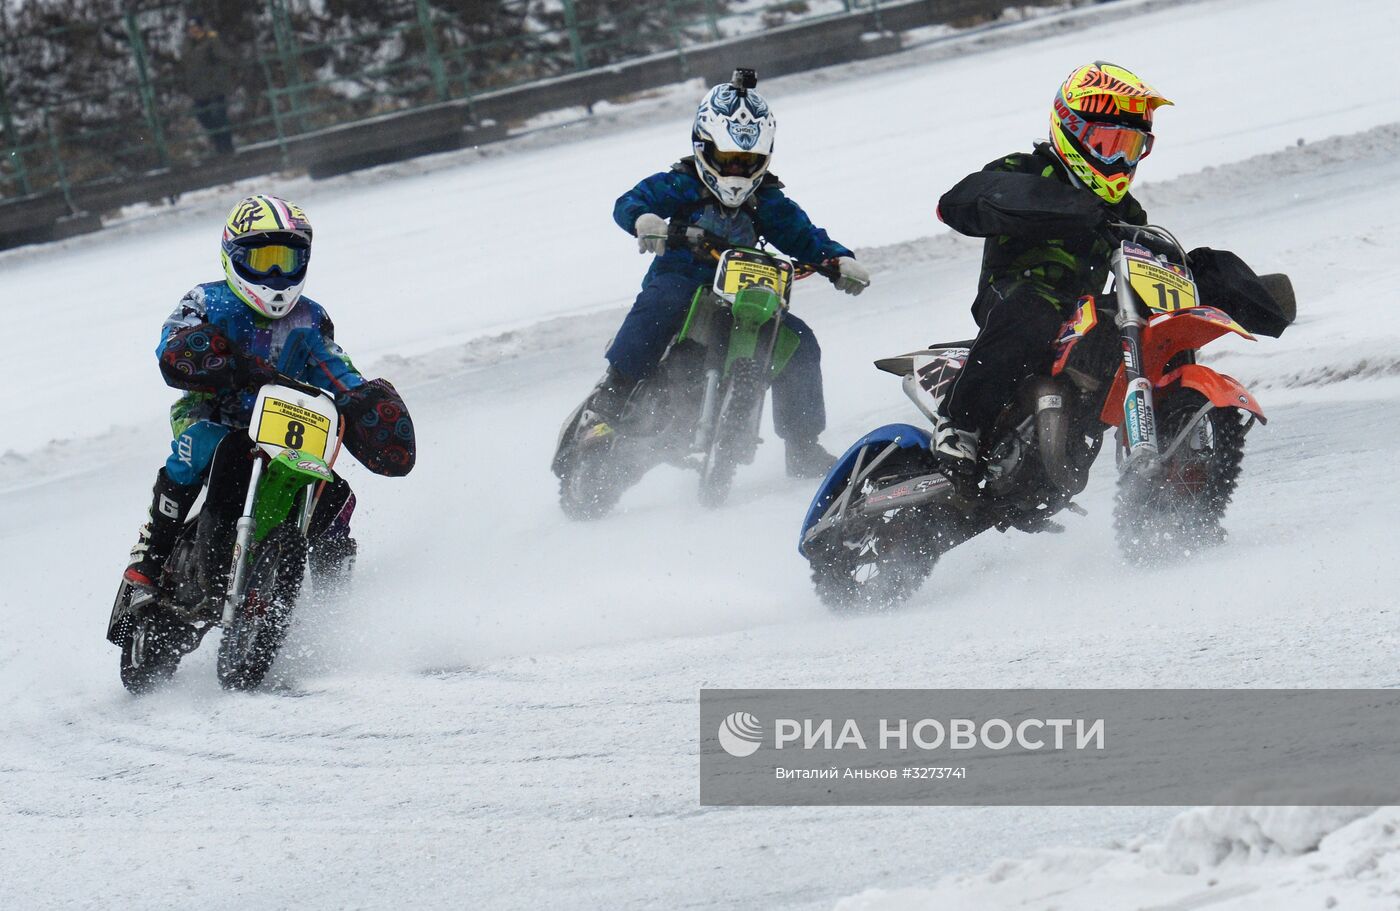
(296,433)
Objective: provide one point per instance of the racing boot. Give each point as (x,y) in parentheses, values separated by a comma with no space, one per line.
(807,459)
(170,503)
(604,407)
(955,448)
(332,552)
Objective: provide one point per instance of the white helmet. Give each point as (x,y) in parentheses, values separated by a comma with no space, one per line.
(733,139)
(265,250)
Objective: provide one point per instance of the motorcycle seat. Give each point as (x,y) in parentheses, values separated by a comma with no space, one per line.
(904,363)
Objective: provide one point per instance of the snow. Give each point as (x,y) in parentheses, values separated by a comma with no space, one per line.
(500,711)
(1226,858)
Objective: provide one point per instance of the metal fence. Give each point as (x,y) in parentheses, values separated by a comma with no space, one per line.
(96,100)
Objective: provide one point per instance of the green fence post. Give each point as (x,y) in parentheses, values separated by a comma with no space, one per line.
(575,40)
(12,137)
(273,106)
(58,163)
(430,45)
(713,18)
(291,64)
(675,30)
(147,92)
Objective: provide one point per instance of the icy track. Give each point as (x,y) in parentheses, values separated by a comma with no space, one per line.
(501,712)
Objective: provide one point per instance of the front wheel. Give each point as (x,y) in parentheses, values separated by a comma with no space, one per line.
(735,435)
(254,635)
(1180,505)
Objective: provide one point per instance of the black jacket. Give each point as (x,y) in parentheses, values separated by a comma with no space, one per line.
(1043,230)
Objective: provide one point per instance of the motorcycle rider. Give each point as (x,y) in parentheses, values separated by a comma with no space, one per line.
(1043,214)
(224,340)
(724,187)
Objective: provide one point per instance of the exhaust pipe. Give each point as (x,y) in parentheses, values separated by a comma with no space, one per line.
(1051,400)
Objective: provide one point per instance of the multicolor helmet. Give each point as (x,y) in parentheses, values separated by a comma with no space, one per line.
(265,251)
(1101,126)
(733,139)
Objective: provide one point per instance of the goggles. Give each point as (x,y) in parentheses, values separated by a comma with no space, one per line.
(736,164)
(1111,143)
(265,259)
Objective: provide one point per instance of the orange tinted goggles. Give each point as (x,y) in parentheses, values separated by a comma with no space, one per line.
(1110,143)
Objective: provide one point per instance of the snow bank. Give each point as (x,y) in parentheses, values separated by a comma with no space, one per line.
(1226,858)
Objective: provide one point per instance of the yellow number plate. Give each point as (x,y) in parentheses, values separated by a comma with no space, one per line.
(1163,290)
(740,274)
(293,427)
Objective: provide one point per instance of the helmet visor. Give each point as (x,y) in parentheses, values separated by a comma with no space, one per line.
(736,164)
(1111,143)
(266,259)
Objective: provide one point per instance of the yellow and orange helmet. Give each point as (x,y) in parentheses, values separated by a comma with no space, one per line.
(1101,126)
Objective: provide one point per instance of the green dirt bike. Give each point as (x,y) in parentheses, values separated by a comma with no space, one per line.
(701,408)
(285,458)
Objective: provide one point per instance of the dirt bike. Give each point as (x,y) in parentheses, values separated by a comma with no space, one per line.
(888,509)
(702,406)
(285,458)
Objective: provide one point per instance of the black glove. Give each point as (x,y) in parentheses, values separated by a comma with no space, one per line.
(378,428)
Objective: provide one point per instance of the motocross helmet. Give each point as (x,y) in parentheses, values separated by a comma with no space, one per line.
(733,139)
(1101,126)
(265,251)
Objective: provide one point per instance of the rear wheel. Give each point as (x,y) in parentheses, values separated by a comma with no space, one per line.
(593,480)
(871,563)
(254,635)
(1181,508)
(152,646)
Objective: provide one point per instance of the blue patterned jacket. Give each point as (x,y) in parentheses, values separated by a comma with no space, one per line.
(301,345)
(768,214)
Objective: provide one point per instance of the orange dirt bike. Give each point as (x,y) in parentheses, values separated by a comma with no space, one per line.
(1128,359)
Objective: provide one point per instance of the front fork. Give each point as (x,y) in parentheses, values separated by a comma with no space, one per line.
(1139,421)
(243,537)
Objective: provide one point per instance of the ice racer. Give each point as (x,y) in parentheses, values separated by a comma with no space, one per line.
(1043,215)
(224,340)
(726,188)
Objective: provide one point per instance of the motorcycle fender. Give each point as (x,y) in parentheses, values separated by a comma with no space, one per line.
(1221,390)
(906,435)
(286,477)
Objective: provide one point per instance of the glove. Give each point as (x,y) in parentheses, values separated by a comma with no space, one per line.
(251,371)
(202,359)
(378,429)
(651,233)
(854,279)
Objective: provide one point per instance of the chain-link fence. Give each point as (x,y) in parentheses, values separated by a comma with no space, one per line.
(96,91)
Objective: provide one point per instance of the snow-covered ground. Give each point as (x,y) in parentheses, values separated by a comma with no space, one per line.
(501,712)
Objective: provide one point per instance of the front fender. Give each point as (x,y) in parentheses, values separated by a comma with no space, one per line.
(906,435)
(1221,390)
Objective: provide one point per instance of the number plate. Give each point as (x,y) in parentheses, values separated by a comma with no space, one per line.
(740,269)
(291,426)
(1163,288)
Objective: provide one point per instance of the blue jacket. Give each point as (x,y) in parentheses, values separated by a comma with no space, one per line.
(768,214)
(300,345)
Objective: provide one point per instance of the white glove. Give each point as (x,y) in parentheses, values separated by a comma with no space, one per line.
(651,233)
(854,279)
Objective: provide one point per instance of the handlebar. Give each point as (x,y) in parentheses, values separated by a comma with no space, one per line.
(1117,231)
(282,379)
(705,243)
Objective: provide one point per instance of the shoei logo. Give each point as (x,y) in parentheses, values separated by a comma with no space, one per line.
(740,734)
